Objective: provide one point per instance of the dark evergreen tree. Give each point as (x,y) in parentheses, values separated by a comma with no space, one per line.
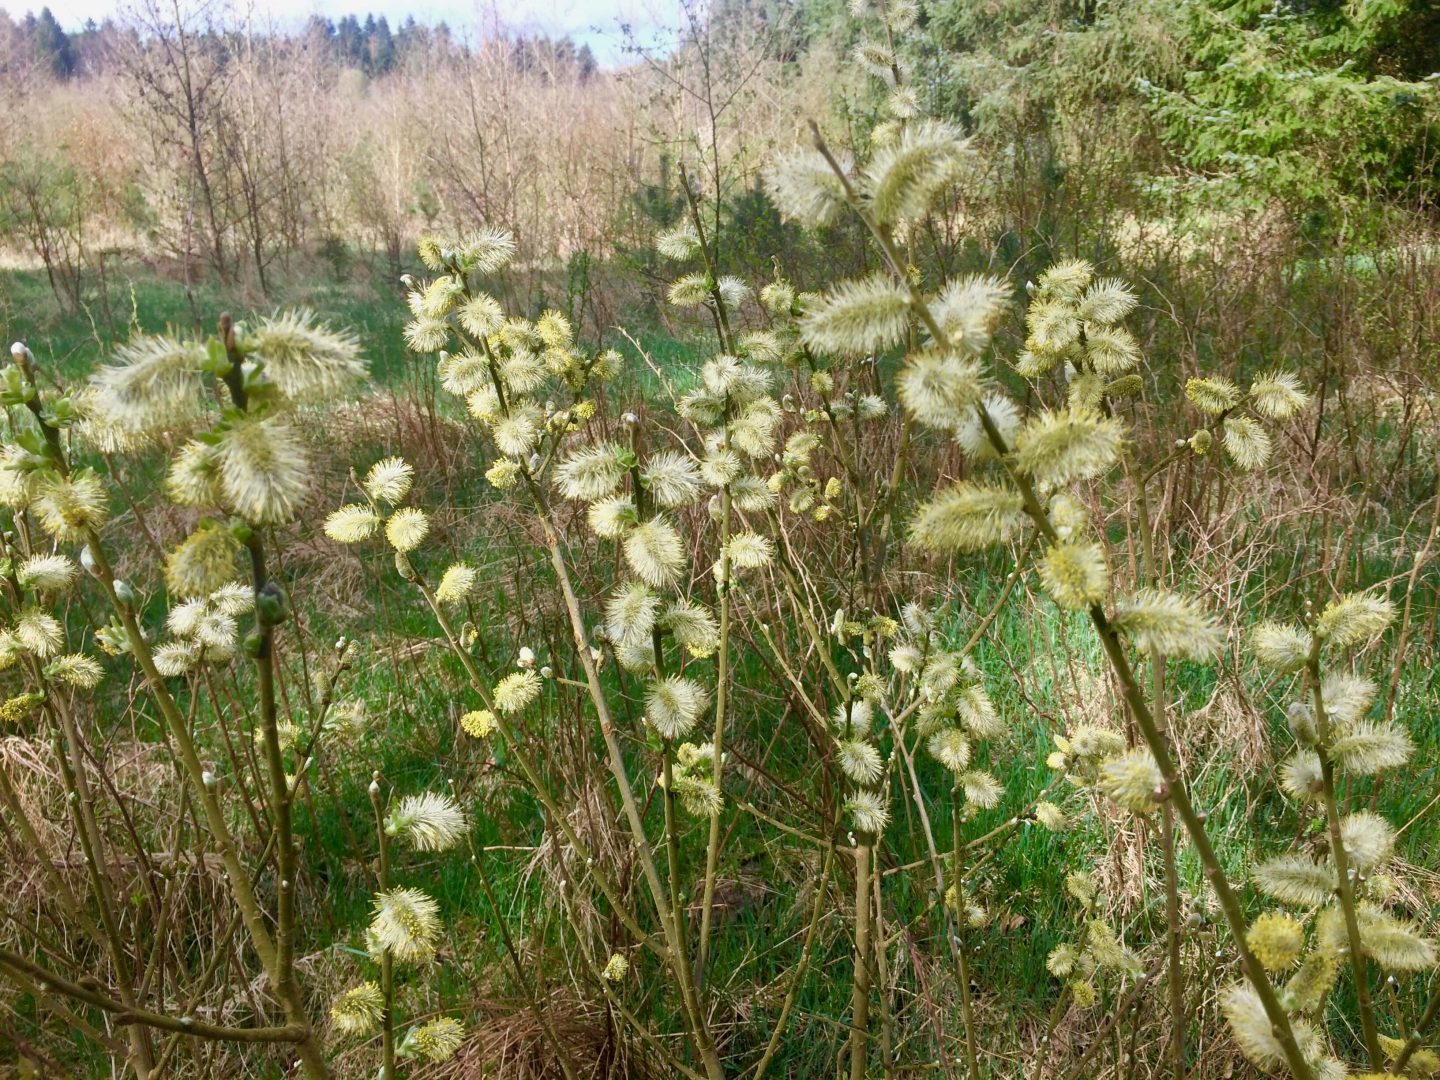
(381,46)
(350,41)
(586,63)
(51,43)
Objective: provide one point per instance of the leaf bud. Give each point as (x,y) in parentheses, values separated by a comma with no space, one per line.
(272,605)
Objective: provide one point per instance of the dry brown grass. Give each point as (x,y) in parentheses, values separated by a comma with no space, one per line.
(509,1043)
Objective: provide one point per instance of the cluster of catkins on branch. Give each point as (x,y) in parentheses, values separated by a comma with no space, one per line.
(1076,348)
(241,467)
(788,422)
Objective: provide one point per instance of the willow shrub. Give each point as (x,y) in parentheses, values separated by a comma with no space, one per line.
(792,441)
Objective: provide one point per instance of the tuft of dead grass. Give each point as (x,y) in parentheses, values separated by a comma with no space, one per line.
(508,1043)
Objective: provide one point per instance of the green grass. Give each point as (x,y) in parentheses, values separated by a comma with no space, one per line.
(1027,881)
(414,744)
(137,300)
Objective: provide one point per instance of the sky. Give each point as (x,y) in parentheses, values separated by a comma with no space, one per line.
(592,22)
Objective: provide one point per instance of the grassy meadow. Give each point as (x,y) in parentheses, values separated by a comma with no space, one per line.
(949,591)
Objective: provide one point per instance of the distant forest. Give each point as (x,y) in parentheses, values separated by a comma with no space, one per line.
(366,43)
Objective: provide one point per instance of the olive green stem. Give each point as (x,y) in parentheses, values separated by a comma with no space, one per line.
(522,978)
(72,768)
(1417,1035)
(142,1053)
(1119,663)
(241,888)
(281,797)
(1175,971)
(1344,886)
(537,783)
(124,1014)
(32,842)
(962,961)
(672,861)
(281,804)
(387,963)
(860,981)
(669,918)
(717,753)
(712,271)
(822,885)
(1118,1012)
(723,331)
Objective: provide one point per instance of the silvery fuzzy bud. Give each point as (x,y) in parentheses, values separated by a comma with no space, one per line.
(1300,718)
(88,561)
(123,592)
(526,659)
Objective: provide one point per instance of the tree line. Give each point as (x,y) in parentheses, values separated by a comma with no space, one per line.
(39,43)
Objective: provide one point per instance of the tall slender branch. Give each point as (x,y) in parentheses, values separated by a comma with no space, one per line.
(1119,662)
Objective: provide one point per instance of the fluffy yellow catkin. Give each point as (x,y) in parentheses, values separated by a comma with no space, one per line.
(1276,939)
(436,1041)
(358,1010)
(406,924)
